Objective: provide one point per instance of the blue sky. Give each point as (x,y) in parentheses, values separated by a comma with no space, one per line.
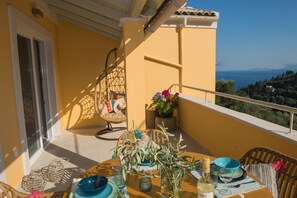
(254,34)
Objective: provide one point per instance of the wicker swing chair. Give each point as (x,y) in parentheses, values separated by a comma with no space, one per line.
(110,86)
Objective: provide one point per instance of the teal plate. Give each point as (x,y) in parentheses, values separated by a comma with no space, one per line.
(110,191)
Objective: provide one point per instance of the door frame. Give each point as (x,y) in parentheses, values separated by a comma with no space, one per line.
(23,25)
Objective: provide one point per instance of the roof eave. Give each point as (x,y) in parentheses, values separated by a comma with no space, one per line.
(195,21)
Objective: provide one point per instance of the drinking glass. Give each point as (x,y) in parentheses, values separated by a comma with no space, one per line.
(118,176)
(226,175)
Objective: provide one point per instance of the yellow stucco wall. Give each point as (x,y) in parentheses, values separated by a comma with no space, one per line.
(82,56)
(225,135)
(199,59)
(193,48)
(162,44)
(9,132)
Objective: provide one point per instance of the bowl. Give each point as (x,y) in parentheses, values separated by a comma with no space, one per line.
(93,184)
(227,163)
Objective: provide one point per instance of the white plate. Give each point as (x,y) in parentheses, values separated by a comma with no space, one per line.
(238,173)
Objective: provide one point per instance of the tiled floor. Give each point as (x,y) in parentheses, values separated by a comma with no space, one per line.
(79,150)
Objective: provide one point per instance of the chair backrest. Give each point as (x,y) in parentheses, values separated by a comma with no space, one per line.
(109,85)
(287,179)
(123,137)
(154,134)
(157,136)
(9,192)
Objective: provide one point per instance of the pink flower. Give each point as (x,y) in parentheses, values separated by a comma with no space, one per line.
(166,93)
(169,101)
(176,94)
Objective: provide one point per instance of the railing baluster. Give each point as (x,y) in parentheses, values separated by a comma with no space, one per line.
(291,122)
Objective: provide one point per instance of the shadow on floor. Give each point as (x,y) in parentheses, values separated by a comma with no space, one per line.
(73,158)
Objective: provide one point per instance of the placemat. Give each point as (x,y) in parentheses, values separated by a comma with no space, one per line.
(242,189)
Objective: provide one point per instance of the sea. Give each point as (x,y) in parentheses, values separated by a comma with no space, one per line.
(244,78)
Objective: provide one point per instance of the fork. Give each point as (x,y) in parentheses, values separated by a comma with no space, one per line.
(238,185)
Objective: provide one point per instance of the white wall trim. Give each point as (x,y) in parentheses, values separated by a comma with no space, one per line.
(23,25)
(210,22)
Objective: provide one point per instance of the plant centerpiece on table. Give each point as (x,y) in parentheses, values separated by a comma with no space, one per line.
(164,103)
(169,157)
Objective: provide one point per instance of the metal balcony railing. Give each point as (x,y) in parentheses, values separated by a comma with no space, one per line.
(291,110)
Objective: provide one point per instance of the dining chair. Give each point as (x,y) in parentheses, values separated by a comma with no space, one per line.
(287,179)
(9,192)
(155,135)
(123,138)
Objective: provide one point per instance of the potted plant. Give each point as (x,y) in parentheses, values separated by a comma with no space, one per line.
(169,157)
(164,103)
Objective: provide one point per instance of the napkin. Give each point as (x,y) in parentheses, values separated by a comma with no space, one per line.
(242,189)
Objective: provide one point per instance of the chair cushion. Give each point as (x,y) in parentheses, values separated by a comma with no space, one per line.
(110,105)
(114,117)
(266,174)
(119,105)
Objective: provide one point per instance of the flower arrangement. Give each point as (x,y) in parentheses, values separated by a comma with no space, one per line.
(164,102)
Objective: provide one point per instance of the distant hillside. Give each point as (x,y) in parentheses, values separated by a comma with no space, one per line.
(281,89)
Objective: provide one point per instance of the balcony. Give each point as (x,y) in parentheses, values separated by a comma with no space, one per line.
(206,128)
(75,53)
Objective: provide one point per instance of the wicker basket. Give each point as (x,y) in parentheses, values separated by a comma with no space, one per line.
(55,171)
(34,181)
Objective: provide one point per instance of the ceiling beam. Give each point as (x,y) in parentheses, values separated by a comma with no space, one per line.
(87,22)
(89,28)
(98,8)
(136,7)
(84,13)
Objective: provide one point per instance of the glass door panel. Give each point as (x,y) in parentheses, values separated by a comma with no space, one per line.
(41,89)
(28,93)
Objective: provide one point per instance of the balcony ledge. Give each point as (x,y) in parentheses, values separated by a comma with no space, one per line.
(265,126)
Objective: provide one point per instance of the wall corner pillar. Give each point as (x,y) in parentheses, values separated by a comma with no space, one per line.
(133,40)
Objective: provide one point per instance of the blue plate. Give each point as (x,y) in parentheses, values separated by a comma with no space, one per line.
(110,191)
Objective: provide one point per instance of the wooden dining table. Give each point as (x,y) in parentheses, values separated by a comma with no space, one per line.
(189,182)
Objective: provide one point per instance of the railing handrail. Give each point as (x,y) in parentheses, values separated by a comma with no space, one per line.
(291,110)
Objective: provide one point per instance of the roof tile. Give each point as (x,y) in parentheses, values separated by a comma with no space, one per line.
(194,12)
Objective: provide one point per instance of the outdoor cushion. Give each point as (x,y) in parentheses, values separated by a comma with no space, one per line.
(110,105)
(267,175)
(119,105)
(114,117)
